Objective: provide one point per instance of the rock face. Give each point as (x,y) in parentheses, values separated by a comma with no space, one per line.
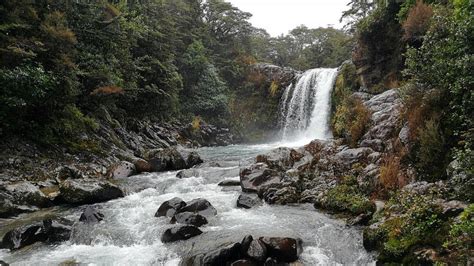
(47,231)
(250,251)
(199,206)
(172,159)
(90,215)
(180,233)
(88,191)
(247,202)
(170,207)
(282,75)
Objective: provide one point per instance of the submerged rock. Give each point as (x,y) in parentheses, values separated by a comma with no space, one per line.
(88,191)
(187,173)
(170,207)
(180,233)
(90,215)
(199,206)
(229,183)
(189,218)
(47,231)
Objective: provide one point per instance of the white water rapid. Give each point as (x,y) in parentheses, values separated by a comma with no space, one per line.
(130,234)
(305,107)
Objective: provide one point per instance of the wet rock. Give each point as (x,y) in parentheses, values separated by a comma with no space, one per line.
(247,202)
(350,156)
(245,243)
(199,206)
(90,215)
(193,159)
(122,169)
(180,233)
(281,193)
(172,159)
(47,231)
(229,183)
(222,256)
(243,263)
(88,191)
(281,158)
(257,250)
(24,193)
(362,219)
(187,173)
(256,176)
(274,262)
(283,249)
(142,166)
(189,218)
(2,263)
(169,207)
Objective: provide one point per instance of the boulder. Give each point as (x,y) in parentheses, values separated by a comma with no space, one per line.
(245,243)
(47,231)
(222,256)
(2,263)
(166,159)
(193,159)
(169,207)
(257,175)
(357,155)
(229,183)
(122,169)
(88,191)
(180,233)
(21,197)
(243,262)
(274,262)
(142,166)
(189,218)
(247,202)
(281,158)
(90,215)
(283,249)
(257,251)
(199,206)
(187,173)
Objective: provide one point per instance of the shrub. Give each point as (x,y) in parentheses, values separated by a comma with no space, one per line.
(461,237)
(417,22)
(346,198)
(351,120)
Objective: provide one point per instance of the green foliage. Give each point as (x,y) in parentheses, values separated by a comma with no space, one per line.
(430,155)
(346,198)
(461,236)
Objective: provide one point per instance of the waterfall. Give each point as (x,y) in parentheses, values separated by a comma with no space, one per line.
(305,106)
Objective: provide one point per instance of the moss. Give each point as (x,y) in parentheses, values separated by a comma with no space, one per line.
(346,198)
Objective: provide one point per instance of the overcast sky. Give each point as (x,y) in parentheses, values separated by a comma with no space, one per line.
(281,16)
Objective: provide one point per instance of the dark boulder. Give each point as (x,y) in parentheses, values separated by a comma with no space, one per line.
(169,207)
(257,251)
(90,215)
(193,159)
(189,218)
(187,173)
(47,231)
(256,176)
(283,249)
(274,262)
(88,191)
(199,206)
(142,166)
(2,263)
(229,183)
(245,243)
(362,219)
(172,159)
(247,202)
(180,233)
(243,263)
(222,256)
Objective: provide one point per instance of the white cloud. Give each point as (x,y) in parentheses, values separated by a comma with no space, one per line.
(281,16)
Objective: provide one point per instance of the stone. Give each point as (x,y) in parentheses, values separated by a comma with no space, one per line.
(222,256)
(229,183)
(187,173)
(169,207)
(243,262)
(90,215)
(88,191)
(180,233)
(189,218)
(361,219)
(122,169)
(172,158)
(247,202)
(452,208)
(143,166)
(20,197)
(274,262)
(47,231)
(257,250)
(2,263)
(280,158)
(245,243)
(256,176)
(199,206)
(283,249)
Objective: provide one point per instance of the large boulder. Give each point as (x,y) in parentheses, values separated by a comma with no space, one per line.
(180,233)
(257,250)
(21,197)
(172,159)
(247,202)
(189,218)
(47,231)
(88,191)
(281,158)
(170,207)
(218,257)
(283,249)
(257,175)
(199,206)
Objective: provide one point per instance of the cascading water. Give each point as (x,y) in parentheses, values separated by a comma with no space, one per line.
(305,107)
